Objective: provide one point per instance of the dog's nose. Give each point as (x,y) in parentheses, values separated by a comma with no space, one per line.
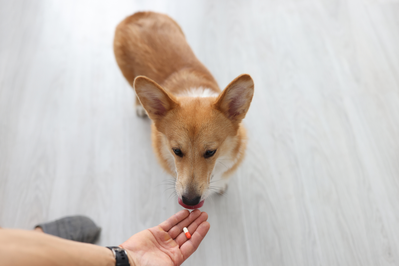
(189,200)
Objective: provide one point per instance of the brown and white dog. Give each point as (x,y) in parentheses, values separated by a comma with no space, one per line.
(196,132)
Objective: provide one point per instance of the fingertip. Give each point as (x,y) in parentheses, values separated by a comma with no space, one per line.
(206,225)
(185,211)
(174,219)
(181,215)
(203,228)
(196,210)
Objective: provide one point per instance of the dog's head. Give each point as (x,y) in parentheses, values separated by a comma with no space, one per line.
(196,133)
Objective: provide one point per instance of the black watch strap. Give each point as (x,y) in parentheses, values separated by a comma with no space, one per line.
(121,257)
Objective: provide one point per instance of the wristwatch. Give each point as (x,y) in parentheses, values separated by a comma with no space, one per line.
(121,258)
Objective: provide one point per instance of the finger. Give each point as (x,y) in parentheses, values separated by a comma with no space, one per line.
(174,219)
(181,238)
(177,229)
(191,245)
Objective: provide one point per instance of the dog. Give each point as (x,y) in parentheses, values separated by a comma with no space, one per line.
(197,133)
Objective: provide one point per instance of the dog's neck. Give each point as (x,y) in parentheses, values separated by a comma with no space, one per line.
(188,78)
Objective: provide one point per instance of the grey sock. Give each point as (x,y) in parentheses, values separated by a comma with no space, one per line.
(78,228)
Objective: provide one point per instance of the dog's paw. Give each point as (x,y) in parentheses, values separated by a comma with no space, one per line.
(223,189)
(140,111)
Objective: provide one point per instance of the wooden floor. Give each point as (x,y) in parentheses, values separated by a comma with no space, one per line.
(320,183)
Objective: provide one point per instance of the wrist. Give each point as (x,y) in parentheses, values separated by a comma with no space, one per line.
(112,255)
(121,256)
(130,256)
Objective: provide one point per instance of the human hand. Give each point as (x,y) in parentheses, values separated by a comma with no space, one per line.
(166,244)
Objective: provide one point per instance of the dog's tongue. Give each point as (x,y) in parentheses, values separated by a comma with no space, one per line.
(199,205)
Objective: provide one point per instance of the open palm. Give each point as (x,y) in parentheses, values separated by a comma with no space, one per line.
(166,244)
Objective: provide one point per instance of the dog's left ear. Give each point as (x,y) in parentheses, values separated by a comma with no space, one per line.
(155,100)
(236,98)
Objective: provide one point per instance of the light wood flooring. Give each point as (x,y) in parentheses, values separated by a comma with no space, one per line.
(320,182)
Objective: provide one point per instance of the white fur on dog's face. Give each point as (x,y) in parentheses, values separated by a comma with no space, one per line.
(210,169)
(194,137)
(223,161)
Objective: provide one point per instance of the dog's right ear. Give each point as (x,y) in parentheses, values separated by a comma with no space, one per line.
(234,101)
(155,100)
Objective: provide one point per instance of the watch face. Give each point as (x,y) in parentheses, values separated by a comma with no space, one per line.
(120,256)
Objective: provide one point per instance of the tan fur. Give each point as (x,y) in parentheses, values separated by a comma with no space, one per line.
(154,57)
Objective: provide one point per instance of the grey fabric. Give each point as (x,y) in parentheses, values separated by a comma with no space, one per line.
(77,228)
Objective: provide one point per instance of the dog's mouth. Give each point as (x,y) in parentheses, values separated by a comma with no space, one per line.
(191,207)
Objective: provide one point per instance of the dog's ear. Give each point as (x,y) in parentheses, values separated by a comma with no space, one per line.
(236,98)
(155,100)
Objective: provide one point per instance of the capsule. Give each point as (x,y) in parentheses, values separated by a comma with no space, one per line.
(186,232)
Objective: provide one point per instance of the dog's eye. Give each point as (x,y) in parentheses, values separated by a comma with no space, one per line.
(178,152)
(209,153)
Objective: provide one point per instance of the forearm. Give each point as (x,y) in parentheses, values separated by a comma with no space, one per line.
(21,247)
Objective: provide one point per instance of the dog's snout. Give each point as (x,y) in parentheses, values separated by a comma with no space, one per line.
(191,200)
